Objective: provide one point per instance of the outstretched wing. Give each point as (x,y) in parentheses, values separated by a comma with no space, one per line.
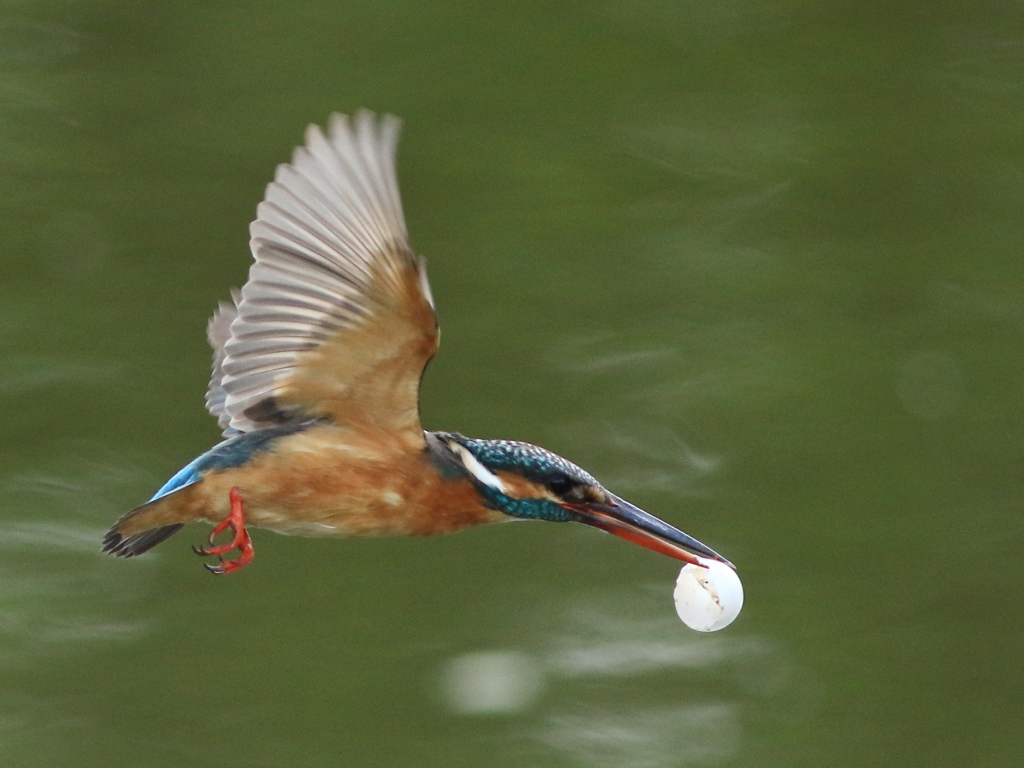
(336,320)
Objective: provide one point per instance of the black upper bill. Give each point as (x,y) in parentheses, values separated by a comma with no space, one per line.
(633,524)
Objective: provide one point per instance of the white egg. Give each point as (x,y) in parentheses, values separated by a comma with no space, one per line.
(708,596)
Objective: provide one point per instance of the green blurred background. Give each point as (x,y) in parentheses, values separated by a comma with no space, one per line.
(757,265)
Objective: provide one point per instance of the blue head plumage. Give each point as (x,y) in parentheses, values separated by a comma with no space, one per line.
(555,480)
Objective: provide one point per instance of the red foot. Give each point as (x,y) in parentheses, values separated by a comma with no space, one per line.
(239,540)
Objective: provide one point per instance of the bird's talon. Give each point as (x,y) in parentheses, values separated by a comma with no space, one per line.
(221,549)
(240,540)
(219,528)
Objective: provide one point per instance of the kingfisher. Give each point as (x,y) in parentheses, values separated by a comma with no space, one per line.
(317,363)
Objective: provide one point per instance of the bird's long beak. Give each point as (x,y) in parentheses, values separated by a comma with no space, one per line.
(631,523)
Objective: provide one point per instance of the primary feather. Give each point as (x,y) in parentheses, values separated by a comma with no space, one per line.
(336,319)
(218,331)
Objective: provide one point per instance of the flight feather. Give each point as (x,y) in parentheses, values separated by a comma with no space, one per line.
(336,320)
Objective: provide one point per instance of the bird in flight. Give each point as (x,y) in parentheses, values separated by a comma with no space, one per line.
(316,370)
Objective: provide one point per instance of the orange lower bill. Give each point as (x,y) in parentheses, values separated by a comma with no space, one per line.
(631,523)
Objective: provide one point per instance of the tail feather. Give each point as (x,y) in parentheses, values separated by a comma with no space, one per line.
(119,545)
(144,527)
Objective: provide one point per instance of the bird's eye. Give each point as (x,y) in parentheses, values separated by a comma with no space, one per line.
(559,485)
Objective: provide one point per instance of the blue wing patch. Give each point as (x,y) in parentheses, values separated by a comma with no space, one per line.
(182,478)
(233,452)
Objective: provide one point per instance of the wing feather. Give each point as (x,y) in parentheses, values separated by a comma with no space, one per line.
(336,320)
(218,331)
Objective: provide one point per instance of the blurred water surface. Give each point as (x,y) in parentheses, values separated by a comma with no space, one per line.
(756,265)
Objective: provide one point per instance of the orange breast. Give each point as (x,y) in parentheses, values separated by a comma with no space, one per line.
(329,481)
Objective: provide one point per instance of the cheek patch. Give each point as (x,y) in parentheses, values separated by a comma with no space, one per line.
(476,469)
(518,487)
